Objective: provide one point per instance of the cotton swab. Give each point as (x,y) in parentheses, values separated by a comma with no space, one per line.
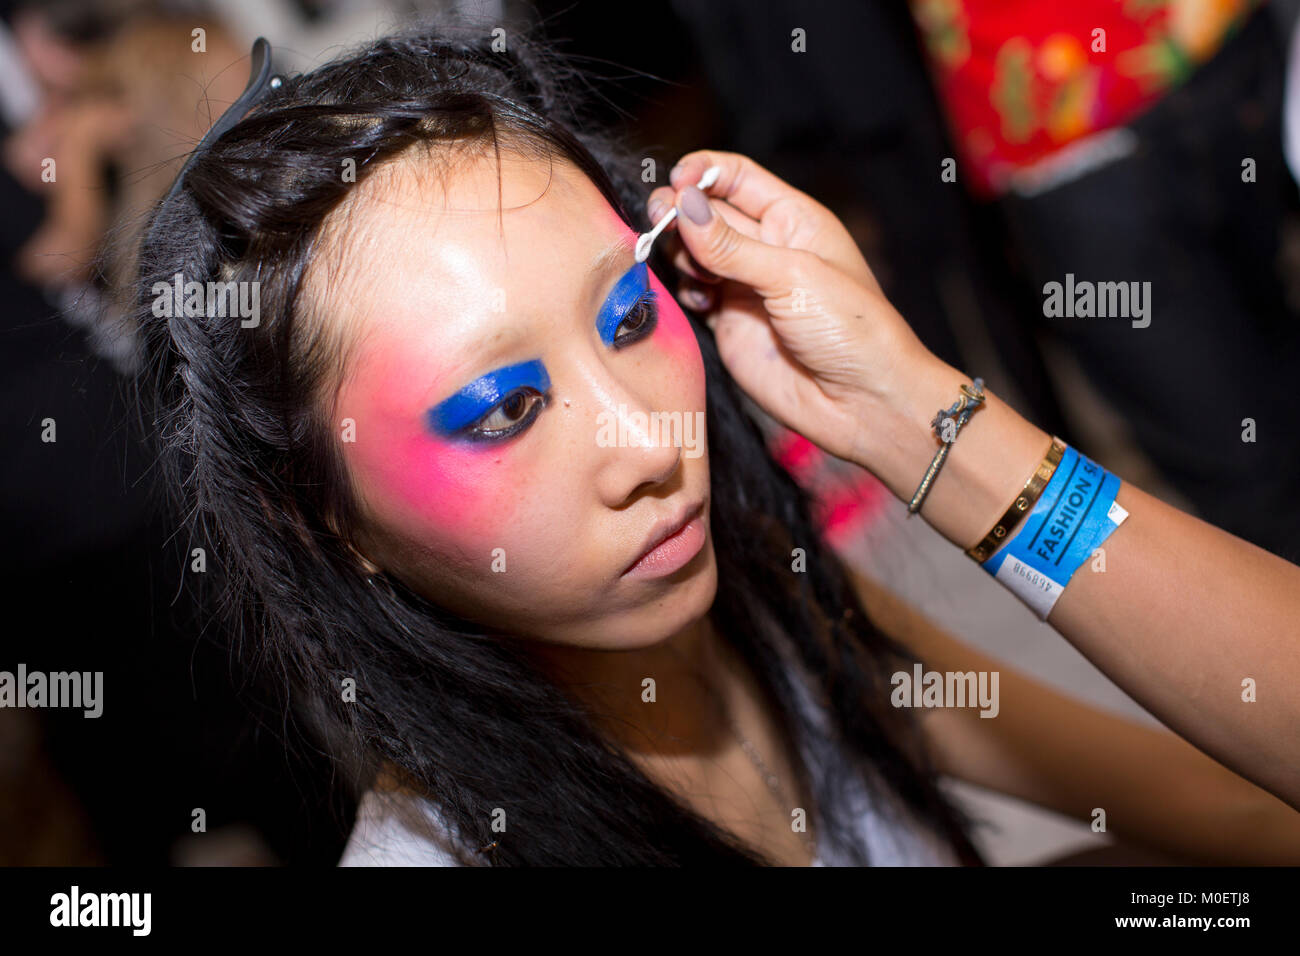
(647,239)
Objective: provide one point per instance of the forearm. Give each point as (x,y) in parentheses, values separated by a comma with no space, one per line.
(1066,755)
(1185,618)
(1183,614)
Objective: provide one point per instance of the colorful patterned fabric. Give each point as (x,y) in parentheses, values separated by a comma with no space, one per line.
(1019,79)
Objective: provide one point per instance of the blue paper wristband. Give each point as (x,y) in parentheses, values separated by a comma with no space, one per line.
(1075,514)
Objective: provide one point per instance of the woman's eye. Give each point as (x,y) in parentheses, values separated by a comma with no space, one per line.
(639,322)
(512,415)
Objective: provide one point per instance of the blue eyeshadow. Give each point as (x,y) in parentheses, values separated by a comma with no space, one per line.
(480,396)
(632,286)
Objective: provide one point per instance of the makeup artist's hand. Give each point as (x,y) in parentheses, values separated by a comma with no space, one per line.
(805,330)
(800,321)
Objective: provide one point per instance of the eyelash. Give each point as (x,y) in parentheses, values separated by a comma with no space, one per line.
(648,301)
(476,432)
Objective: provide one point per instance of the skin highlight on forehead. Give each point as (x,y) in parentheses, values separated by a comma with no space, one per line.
(336,296)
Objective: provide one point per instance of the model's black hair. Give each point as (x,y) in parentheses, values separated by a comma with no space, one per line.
(465,716)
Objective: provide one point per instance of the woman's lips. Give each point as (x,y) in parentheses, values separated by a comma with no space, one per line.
(673,552)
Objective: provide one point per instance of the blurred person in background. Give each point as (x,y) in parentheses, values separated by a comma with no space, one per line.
(100,107)
(118,108)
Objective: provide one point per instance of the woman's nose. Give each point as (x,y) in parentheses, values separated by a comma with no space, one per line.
(636,449)
(633,443)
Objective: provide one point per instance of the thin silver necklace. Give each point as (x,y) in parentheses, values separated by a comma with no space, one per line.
(769,778)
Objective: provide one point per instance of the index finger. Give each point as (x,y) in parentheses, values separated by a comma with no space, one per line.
(743,183)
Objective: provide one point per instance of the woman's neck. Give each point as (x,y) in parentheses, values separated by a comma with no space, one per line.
(677,714)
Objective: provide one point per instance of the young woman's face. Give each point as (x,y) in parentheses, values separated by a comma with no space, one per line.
(523,413)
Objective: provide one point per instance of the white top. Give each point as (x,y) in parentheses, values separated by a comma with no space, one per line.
(396,829)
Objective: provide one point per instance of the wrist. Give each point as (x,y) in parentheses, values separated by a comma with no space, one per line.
(986,468)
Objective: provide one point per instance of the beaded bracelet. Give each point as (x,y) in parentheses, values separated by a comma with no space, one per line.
(958,414)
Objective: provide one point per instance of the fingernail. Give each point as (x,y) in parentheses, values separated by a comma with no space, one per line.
(695,299)
(656,210)
(674,173)
(696,206)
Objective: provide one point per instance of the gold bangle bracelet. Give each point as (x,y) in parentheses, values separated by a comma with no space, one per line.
(1023,504)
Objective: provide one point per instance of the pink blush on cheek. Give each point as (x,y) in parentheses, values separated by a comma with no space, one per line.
(674,330)
(463,495)
(675,337)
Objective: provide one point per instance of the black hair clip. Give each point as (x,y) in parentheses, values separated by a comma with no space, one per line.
(259,81)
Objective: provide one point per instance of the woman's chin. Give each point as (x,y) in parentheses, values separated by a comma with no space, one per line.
(679,601)
(688,599)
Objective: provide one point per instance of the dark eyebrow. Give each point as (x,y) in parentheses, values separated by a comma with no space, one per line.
(622,248)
